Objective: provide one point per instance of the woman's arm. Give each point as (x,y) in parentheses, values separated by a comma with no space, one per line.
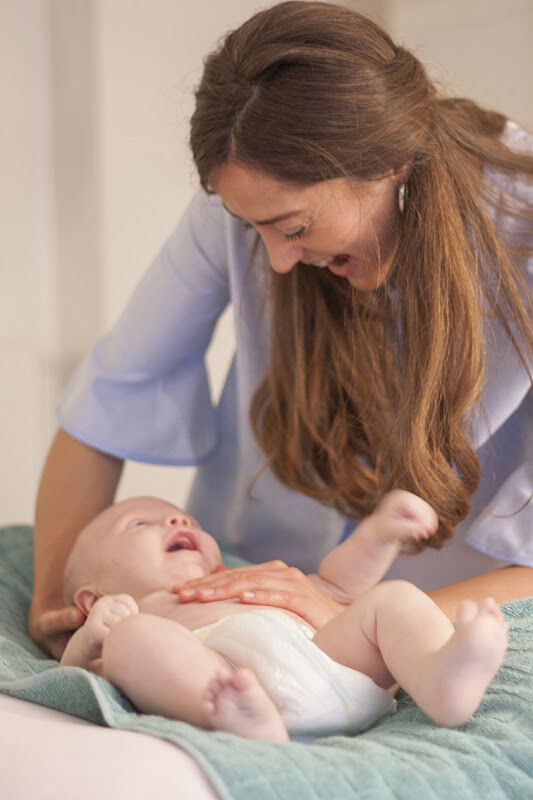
(317,600)
(77,483)
(506,584)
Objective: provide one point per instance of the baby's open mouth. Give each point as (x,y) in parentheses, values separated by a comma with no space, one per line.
(180,540)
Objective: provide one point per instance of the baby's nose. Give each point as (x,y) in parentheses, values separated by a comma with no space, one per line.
(177,519)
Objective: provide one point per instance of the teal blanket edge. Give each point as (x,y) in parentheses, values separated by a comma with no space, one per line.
(406,756)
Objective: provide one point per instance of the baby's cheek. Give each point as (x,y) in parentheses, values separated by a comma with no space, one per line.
(190,573)
(214,556)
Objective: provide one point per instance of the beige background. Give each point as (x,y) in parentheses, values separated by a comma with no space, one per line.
(96,97)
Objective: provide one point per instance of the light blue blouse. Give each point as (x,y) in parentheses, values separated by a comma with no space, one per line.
(142,393)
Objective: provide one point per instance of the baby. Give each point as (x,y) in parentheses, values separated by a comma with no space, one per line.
(263,672)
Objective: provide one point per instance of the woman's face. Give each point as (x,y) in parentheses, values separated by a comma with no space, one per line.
(322,221)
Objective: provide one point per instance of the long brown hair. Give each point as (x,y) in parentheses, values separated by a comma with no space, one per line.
(365,393)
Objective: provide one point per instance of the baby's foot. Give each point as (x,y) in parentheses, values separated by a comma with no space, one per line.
(460,672)
(237,703)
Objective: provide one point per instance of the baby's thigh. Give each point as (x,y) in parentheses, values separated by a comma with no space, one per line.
(349,639)
(161,666)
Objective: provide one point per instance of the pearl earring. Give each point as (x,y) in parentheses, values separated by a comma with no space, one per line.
(401,197)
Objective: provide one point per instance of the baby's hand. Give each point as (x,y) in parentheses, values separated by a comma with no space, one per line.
(402,515)
(106,612)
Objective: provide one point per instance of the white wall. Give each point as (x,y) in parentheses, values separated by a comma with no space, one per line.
(28,310)
(475,48)
(95,172)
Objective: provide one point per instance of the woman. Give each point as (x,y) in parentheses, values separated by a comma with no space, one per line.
(403,360)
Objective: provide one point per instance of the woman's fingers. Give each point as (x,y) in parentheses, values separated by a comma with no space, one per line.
(230,584)
(314,610)
(61,621)
(266,566)
(270,584)
(273,597)
(215,590)
(224,576)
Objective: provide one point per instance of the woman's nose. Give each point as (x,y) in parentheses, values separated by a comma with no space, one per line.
(283,256)
(282,268)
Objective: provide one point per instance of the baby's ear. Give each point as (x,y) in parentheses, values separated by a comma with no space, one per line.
(85,598)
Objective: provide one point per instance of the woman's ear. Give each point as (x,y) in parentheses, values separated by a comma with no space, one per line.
(85,598)
(402,173)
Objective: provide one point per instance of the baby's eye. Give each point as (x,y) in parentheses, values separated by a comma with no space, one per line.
(137,522)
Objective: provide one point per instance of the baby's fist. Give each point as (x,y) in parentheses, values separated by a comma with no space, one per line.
(106,612)
(402,515)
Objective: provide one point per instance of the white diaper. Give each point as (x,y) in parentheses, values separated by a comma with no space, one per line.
(313,693)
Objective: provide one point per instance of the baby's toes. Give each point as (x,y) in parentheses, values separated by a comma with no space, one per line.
(243,679)
(466,612)
(209,703)
(217,683)
(490,610)
(211,691)
(487,606)
(496,612)
(501,619)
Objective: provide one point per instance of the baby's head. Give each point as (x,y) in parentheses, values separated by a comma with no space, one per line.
(136,547)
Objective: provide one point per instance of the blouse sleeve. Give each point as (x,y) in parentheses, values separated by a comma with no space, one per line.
(504,526)
(142,393)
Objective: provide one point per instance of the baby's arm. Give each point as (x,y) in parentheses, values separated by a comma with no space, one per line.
(85,646)
(363,559)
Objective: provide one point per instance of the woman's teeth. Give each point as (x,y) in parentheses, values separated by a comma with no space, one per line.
(337,261)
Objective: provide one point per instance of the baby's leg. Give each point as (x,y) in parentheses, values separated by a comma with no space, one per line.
(164,669)
(395,632)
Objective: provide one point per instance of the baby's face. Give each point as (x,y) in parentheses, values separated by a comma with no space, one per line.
(146,544)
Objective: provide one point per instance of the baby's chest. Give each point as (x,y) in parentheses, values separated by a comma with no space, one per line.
(191,615)
(194,615)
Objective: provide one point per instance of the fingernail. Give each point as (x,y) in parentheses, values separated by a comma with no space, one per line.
(207,592)
(248,595)
(75,617)
(187,592)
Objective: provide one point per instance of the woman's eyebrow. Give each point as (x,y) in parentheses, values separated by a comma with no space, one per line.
(280,218)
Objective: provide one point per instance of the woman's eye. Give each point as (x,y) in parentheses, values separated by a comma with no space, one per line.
(288,236)
(297,235)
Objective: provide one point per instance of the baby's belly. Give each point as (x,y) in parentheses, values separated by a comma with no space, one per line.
(196,615)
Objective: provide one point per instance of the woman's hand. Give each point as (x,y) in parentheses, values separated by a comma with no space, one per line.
(52,629)
(272,583)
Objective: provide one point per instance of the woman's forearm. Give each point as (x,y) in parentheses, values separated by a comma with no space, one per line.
(509,583)
(77,482)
